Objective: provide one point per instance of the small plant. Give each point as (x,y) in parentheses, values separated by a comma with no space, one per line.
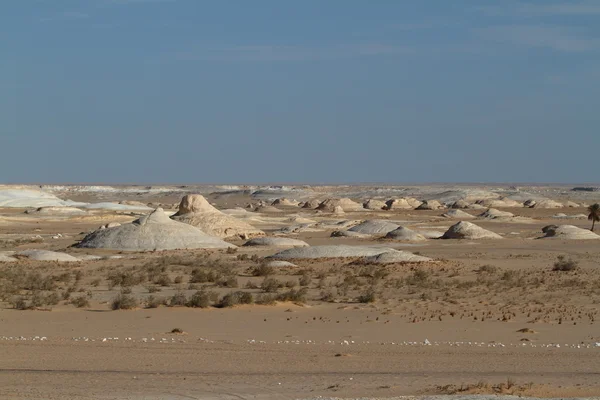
(231,250)
(488,269)
(153,289)
(296,296)
(265,299)
(270,285)
(80,302)
(563,264)
(178,299)
(124,302)
(369,296)
(154,301)
(200,299)
(263,270)
(305,280)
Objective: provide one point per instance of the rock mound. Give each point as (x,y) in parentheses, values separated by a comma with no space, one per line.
(458,204)
(492,213)
(346,204)
(374,227)
(155,231)
(431,234)
(276,242)
(568,232)
(46,255)
(284,202)
(546,204)
(395,257)
(403,203)
(280,264)
(340,251)
(430,205)
(61,211)
(565,216)
(5,258)
(350,234)
(503,202)
(467,230)
(375,205)
(405,234)
(312,204)
(196,211)
(457,214)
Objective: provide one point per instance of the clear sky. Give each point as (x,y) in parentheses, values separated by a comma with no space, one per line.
(311,91)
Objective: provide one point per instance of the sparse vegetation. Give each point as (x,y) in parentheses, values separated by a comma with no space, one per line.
(564,264)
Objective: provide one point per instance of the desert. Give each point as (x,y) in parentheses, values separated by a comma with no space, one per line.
(118,290)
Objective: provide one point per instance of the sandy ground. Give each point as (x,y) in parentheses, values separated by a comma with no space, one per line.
(457,329)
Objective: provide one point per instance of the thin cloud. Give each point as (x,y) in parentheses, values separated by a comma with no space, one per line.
(292,53)
(65,15)
(539,36)
(527,9)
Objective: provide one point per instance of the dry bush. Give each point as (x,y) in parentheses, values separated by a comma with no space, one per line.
(564,264)
(80,302)
(270,285)
(124,302)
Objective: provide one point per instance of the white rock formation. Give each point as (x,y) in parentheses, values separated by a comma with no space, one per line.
(46,255)
(196,211)
(155,231)
(405,235)
(374,227)
(467,230)
(276,242)
(568,232)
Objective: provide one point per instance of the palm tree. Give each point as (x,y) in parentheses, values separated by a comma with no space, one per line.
(594,215)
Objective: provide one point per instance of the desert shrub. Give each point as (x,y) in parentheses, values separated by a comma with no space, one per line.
(229,282)
(35,281)
(290,284)
(488,269)
(563,264)
(78,275)
(124,302)
(265,299)
(263,270)
(203,276)
(242,257)
(19,303)
(123,279)
(229,300)
(419,277)
(270,285)
(231,250)
(305,280)
(246,298)
(178,299)
(154,301)
(178,279)
(369,296)
(296,296)
(200,299)
(153,289)
(95,282)
(162,280)
(80,302)
(52,299)
(251,285)
(327,295)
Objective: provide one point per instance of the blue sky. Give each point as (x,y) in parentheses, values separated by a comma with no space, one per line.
(311,91)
